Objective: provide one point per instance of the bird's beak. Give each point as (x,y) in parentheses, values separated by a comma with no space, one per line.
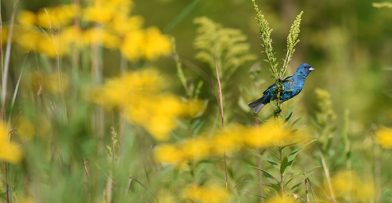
(311,68)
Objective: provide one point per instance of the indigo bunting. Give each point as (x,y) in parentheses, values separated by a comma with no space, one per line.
(292,86)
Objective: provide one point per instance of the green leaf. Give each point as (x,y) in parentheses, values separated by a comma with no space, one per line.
(285,163)
(275,186)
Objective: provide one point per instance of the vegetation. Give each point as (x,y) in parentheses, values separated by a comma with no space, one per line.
(146,101)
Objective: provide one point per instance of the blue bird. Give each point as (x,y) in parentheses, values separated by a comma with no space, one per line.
(292,86)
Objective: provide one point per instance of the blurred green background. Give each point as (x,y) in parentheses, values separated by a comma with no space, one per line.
(348,42)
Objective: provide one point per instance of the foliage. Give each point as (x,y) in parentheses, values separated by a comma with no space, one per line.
(99,106)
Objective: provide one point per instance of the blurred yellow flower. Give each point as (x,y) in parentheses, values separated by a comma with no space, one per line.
(51,45)
(140,98)
(27,39)
(234,137)
(57,17)
(271,133)
(156,44)
(384,137)
(104,12)
(347,185)
(282,199)
(169,154)
(230,139)
(97,36)
(149,44)
(206,194)
(123,24)
(26,18)
(9,151)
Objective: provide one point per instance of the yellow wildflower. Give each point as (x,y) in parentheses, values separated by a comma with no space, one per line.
(206,194)
(156,44)
(9,151)
(103,12)
(230,139)
(149,44)
(169,154)
(347,185)
(26,18)
(57,17)
(282,199)
(156,113)
(268,134)
(97,36)
(384,137)
(131,47)
(27,38)
(196,148)
(71,36)
(138,95)
(52,45)
(123,24)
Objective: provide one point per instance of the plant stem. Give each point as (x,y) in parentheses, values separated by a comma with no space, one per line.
(220,103)
(328,177)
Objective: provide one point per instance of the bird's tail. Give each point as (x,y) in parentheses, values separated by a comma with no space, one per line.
(258,104)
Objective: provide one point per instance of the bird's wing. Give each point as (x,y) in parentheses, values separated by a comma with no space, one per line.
(273,86)
(288,78)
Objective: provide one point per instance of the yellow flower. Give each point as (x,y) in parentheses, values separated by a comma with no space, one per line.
(52,45)
(384,137)
(196,148)
(282,199)
(169,154)
(347,185)
(139,97)
(230,139)
(57,17)
(26,18)
(27,38)
(71,36)
(269,134)
(9,151)
(103,12)
(123,24)
(156,44)
(97,36)
(149,44)
(132,45)
(206,194)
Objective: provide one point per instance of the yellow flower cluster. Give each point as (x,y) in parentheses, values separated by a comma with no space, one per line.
(228,140)
(282,199)
(206,194)
(140,98)
(9,151)
(106,23)
(347,185)
(384,137)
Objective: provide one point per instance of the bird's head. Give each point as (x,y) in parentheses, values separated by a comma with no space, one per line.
(304,69)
